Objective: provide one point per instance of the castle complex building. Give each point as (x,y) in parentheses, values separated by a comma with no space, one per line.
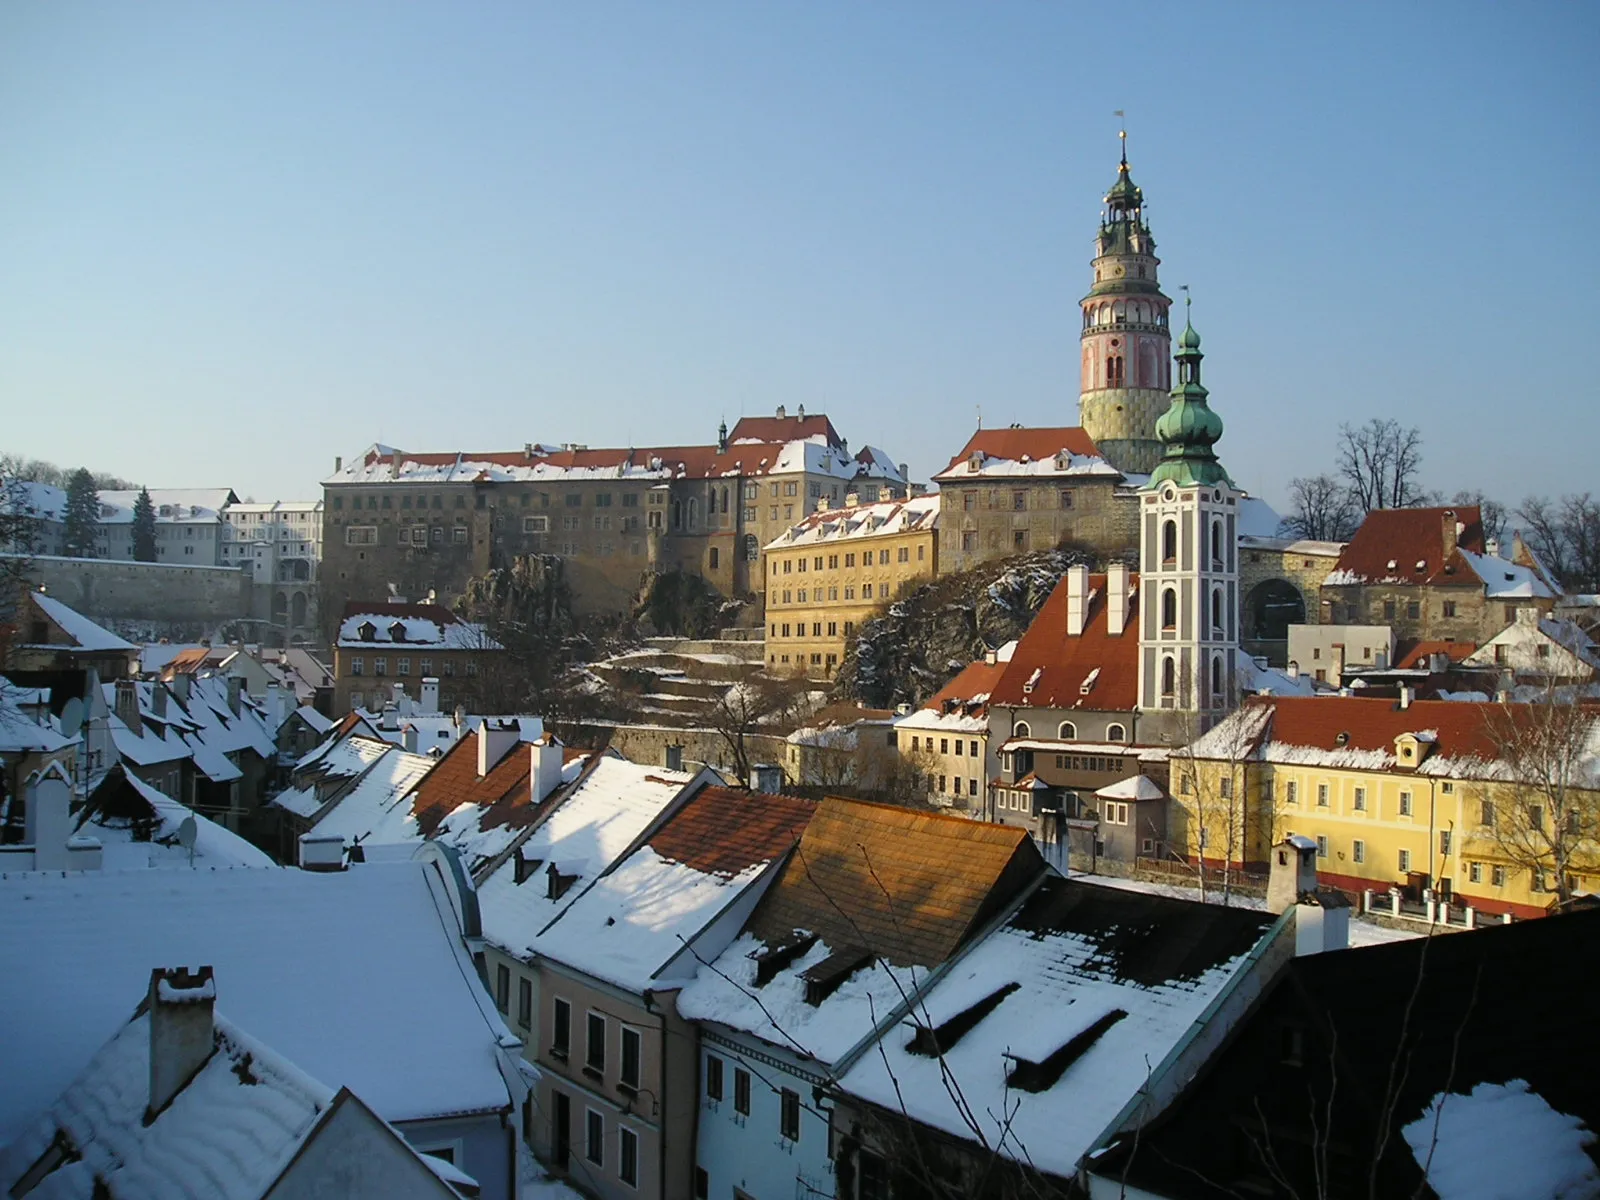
(399,523)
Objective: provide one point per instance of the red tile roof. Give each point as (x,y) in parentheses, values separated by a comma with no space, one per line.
(976,679)
(784,429)
(399,612)
(455,781)
(907,885)
(723,831)
(1034,444)
(1411,652)
(1063,664)
(1405,537)
(1320,722)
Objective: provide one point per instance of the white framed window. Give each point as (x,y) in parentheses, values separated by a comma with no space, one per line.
(1497,876)
(1322,846)
(361,535)
(632,1051)
(594,1137)
(628,1156)
(1405,804)
(1405,862)
(1475,872)
(535,524)
(1322,795)
(594,1050)
(1361,799)
(1358,851)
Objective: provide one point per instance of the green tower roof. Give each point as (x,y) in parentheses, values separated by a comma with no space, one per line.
(1189,429)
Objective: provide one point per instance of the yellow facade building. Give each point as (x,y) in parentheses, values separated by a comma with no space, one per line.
(1396,794)
(835,570)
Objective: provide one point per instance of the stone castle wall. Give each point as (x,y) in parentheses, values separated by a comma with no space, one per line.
(155,599)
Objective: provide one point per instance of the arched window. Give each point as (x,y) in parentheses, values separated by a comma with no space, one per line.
(1116,733)
(724,500)
(1216,542)
(1169,608)
(1169,542)
(1216,682)
(677,514)
(1216,612)
(1068,731)
(1169,677)
(694,513)
(1021,729)
(713,558)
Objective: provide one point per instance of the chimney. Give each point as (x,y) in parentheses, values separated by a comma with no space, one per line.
(338,463)
(544,767)
(1116,598)
(388,719)
(782,412)
(494,739)
(1406,696)
(397,697)
(408,738)
(235,691)
(1292,670)
(179,687)
(459,719)
(47,822)
(1077,599)
(801,414)
(127,706)
(428,704)
(1321,922)
(158,700)
(182,1038)
(1491,547)
(1293,872)
(321,852)
(1451,530)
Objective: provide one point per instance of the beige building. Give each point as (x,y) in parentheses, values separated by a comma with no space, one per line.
(1323,652)
(379,646)
(1011,491)
(833,571)
(947,739)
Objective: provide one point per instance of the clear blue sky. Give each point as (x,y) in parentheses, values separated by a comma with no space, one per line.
(237,240)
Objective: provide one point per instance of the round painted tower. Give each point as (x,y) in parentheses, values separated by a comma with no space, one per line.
(1126,373)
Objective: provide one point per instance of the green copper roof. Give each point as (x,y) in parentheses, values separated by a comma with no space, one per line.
(1189,429)
(1124,192)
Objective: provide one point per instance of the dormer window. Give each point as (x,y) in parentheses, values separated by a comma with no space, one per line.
(397,631)
(366,631)
(975,463)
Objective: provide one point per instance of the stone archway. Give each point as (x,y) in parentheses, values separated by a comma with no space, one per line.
(297,610)
(1270,608)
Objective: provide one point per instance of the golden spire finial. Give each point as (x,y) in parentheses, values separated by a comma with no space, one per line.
(1122,135)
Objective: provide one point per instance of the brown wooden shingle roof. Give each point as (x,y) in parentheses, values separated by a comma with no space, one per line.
(906,885)
(722,831)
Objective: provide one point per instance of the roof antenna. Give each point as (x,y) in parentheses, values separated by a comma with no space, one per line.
(1123,135)
(980,416)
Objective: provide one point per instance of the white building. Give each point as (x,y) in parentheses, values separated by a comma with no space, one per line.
(188,524)
(281,544)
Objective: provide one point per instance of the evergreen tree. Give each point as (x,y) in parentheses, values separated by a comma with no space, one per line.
(82,515)
(144,528)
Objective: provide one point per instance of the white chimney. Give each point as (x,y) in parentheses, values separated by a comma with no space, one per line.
(47,822)
(1116,598)
(1077,599)
(321,852)
(544,767)
(276,708)
(1293,872)
(428,704)
(127,706)
(1406,696)
(1321,922)
(408,738)
(397,697)
(182,1037)
(494,739)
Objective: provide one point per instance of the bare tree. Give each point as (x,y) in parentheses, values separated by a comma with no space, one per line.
(1211,775)
(1544,815)
(19,538)
(1323,510)
(861,762)
(1380,462)
(1492,514)
(756,705)
(1565,534)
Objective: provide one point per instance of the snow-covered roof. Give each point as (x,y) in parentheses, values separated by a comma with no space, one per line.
(37,500)
(420,626)
(314,720)
(21,733)
(86,635)
(1506,580)
(214,844)
(1017,452)
(172,505)
(1253,677)
(378,808)
(1053,1022)
(331,969)
(1134,787)
(856,523)
(582,836)
(1257,518)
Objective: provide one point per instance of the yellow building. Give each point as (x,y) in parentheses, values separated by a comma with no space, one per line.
(1395,794)
(835,570)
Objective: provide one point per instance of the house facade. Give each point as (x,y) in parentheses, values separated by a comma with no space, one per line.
(379,647)
(281,545)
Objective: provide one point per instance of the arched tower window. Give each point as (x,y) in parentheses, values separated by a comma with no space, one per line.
(1021,729)
(1169,677)
(1068,731)
(1169,609)
(1216,612)
(1216,543)
(724,500)
(1169,542)
(1216,682)
(1116,733)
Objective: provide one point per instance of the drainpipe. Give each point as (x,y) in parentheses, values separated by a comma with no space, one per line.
(661,1123)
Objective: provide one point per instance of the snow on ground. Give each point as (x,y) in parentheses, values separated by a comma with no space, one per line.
(1502,1140)
(535,1183)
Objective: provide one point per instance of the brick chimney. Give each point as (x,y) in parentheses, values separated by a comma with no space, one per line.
(182,1037)
(235,692)
(1116,598)
(1077,599)
(1451,530)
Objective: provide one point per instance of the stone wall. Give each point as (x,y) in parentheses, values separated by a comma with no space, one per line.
(981,521)
(140,599)
(647,744)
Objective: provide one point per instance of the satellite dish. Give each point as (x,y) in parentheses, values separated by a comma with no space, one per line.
(186,832)
(71,717)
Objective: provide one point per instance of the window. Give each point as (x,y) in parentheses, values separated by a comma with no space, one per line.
(713,1077)
(1169,543)
(1405,862)
(402,666)
(1068,731)
(1413,610)
(525,1002)
(561,1029)
(1405,804)
(1497,876)
(380,665)
(903,554)
(1475,872)
(631,1046)
(357,665)
(1066,499)
(1019,501)
(1449,608)
(1291,793)
(1444,843)
(502,988)
(1358,851)
(1322,846)
(741,1091)
(789,1115)
(1487,816)
(1322,795)
(628,1156)
(535,524)
(1169,609)
(1361,799)
(458,535)
(1019,539)
(595,1049)
(1021,729)
(594,1139)
(361,535)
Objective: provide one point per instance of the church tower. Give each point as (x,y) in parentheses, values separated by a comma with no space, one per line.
(1189,558)
(1126,342)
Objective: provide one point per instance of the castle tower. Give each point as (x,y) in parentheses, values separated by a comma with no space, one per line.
(1126,341)
(1189,556)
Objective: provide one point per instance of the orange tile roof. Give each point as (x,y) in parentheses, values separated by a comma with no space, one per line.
(907,885)
(1411,652)
(1461,729)
(976,679)
(1406,537)
(1034,444)
(784,429)
(455,781)
(722,831)
(1064,663)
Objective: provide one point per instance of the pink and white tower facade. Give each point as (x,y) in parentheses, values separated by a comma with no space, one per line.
(1127,347)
